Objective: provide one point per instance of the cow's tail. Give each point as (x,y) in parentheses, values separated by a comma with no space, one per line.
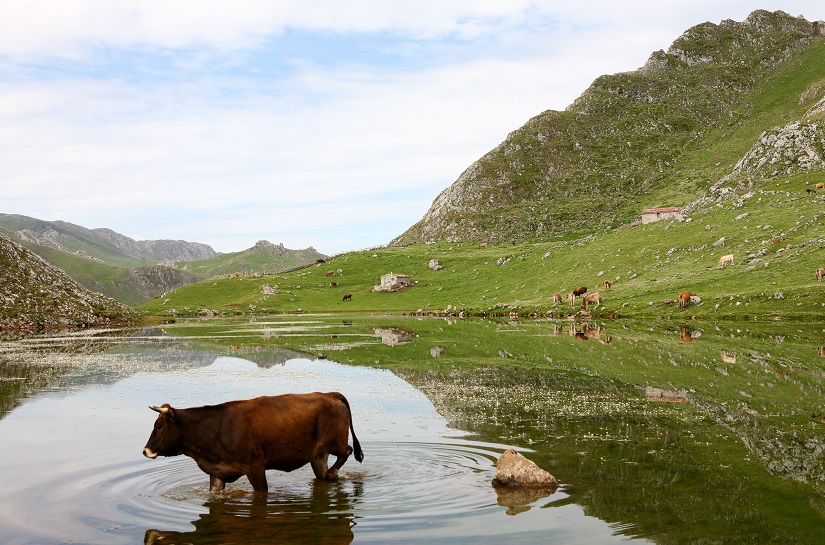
(356,446)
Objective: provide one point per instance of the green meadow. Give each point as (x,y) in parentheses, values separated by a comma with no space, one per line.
(776,233)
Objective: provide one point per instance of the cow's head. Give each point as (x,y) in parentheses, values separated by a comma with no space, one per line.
(166,438)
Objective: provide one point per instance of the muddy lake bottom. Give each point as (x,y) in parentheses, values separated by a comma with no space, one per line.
(654,439)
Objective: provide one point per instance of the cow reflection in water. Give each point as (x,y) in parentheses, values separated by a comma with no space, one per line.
(585,332)
(325,517)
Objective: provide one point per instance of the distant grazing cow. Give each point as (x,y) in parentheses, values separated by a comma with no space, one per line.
(685,334)
(333,284)
(684,298)
(571,299)
(820,274)
(330,273)
(557,298)
(820,185)
(482,245)
(725,260)
(592,297)
(727,358)
(347,297)
(809,190)
(581,290)
(248,437)
(606,283)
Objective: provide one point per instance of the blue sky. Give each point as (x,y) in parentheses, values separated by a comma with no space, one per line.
(322,123)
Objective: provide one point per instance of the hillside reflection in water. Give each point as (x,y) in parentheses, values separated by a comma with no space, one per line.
(654,438)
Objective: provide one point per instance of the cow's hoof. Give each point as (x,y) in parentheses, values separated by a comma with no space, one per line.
(332,475)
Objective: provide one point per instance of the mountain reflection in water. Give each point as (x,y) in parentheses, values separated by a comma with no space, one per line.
(717,439)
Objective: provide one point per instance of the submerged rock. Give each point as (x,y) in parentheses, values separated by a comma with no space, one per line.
(513,469)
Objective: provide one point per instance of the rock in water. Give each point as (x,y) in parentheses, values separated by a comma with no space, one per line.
(513,469)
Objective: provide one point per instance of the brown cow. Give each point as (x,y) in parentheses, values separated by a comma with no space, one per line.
(571,299)
(727,358)
(820,185)
(684,298)
(592,297)
(557,298)
(606,283)
(820,274)
(248,437)
(581,290)
(330,273)
(347,297)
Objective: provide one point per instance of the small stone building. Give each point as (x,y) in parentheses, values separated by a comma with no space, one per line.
(649,215)
(393,282)
(393,336)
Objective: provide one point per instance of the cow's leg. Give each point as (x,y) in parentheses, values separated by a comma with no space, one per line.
(332,474)
(257,478)
(216,484)
(319,466)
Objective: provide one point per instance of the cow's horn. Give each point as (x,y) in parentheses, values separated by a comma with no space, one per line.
(159,409)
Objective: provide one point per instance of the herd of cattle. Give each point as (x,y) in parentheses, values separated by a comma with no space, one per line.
(587,298)
(684,298)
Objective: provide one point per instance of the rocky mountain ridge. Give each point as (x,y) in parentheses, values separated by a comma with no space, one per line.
(133,272)
(625,141)
(35,295)
(101,244)
(795,148)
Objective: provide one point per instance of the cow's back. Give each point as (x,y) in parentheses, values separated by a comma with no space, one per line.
(287,430)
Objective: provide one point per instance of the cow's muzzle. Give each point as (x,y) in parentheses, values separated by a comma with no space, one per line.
(149,453)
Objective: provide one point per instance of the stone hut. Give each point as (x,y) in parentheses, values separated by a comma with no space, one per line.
(649,215)
(393,336)
(393,282)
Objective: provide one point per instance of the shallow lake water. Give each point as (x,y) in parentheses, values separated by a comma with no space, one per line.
(639,460)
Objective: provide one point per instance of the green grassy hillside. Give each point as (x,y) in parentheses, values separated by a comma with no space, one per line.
(128,285)
(649,265)
(132,281)
(263,257)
